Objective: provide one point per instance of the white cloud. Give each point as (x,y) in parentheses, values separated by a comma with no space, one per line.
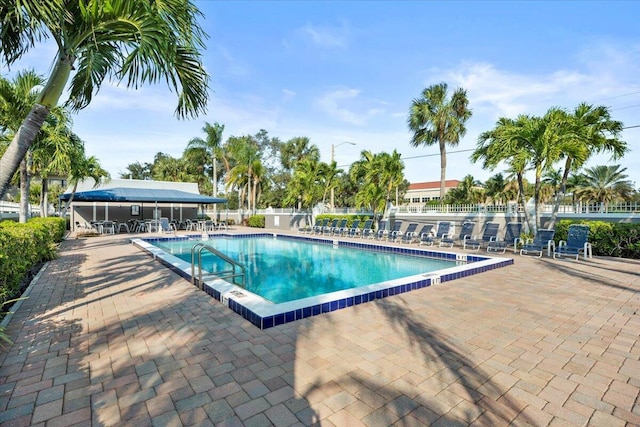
(507,94)
(288,95)
(230,64)
(346,105)
(324,36)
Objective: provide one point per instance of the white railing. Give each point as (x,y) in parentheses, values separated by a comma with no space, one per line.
(512,208)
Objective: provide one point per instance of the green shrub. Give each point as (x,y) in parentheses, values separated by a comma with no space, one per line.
(607,238)
(23,246)
(256,221)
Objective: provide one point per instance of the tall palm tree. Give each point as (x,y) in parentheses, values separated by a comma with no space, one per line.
(604,184)
(436,119)
(245,155)
(137,42)
(209,148)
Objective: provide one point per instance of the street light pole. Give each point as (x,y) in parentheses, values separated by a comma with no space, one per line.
(333,152)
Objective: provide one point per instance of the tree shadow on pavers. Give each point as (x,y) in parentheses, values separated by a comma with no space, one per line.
(191,354)
(338,377)
(194,360)
(587,274)
(140,275)
(486,397)
(618,265)
(44,376)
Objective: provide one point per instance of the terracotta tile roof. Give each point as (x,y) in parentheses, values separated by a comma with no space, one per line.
(430,185)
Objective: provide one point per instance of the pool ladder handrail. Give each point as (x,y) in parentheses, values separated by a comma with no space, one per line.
(226,274)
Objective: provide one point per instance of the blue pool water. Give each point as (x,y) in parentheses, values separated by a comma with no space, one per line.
(288,270)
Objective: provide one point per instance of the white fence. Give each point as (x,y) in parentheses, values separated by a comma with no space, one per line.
(11,207)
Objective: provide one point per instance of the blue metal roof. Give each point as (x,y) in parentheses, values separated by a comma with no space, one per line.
(121,194)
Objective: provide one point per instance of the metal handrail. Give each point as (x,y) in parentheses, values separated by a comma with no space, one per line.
(226,274)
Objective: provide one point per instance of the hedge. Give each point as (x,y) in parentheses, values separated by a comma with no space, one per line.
(616,239)
(349,218)
(257,221)
(24,246)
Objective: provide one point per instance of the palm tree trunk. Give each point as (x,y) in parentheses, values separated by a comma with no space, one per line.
(17,150)
(24,191)
(563,185)
(536,197)
(443,169)
(44,196)
(66,206)
(527,218)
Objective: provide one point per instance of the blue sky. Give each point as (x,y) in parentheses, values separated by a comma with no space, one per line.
(348,71)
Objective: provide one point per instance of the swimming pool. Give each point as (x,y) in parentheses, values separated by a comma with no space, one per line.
(265,314)
(283,270)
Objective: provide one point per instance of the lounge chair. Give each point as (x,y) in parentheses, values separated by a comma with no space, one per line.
(395,232)
(489,234)
(328,229)
(511,237)
(166,227)
(381,232)
(442,231)
(577,242)
(320,225)
(354,229)
(425,235)
(338,229)
(543,239)
(466,231)
(308,229)
(410,233)
(367,229)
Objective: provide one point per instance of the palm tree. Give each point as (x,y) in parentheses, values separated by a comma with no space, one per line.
(435,119)
(54,152)
(500,145)
(498,190)
(376,175)
(390,172)
(525,143)
(16,98)
(307,184)
(469,190)
(296,149)
(604,184)
(136,42)
(82,168)
(209,148)
(245,155)
(588,130)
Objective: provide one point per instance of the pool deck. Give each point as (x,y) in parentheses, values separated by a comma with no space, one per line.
(108,336)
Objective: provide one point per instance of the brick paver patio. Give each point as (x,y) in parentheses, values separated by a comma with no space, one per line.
(109,337)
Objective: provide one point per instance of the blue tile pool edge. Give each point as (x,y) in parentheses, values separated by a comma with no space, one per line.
(265,314)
